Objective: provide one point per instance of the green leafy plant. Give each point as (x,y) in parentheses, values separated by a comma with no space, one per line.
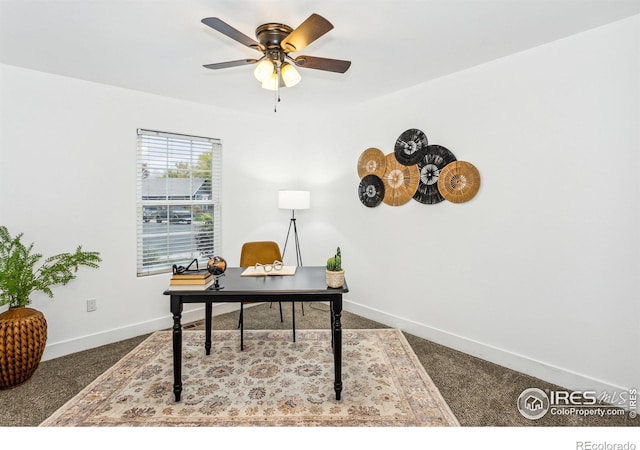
(19,276)
(334,264)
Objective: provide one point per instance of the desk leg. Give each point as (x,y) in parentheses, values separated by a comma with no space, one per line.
(207,326)
(331,316)
(176,311)
(336,328)
(241,326)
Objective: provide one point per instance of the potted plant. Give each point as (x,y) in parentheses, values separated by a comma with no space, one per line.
(23,330)
(335,273)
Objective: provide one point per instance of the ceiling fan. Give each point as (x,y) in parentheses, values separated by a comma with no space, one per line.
(276,69)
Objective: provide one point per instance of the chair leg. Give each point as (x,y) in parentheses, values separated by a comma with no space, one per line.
(293,319)
(281,319)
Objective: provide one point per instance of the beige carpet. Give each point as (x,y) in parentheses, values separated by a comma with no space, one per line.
(274,382)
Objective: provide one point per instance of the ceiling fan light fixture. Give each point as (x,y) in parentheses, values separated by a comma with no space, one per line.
(264,70)
(290,75)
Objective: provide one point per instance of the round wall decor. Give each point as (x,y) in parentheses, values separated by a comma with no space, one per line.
(435,159)
(459,181)
(371,191)
(371,162)
(400,181)
(410,147)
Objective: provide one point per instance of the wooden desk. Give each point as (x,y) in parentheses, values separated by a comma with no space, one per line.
(308,285)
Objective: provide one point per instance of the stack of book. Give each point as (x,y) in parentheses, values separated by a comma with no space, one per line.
(191,280)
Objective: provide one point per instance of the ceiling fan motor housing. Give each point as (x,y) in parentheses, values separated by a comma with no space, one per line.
(270,35)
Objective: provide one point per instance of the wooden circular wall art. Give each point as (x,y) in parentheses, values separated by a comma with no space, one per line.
(459,181)
(371,162)
(435,159)
(400,181)
(371,191)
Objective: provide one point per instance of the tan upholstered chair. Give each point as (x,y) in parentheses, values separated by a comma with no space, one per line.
(260,252)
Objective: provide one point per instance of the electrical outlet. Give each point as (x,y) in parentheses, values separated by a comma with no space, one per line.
(92,305)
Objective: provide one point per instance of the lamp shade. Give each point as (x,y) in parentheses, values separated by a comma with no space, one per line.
(263,70)
(294,199)
(271,82)
(290,75)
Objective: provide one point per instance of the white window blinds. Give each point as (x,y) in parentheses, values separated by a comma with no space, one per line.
(178,200)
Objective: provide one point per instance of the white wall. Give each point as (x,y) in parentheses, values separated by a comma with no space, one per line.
(539,272)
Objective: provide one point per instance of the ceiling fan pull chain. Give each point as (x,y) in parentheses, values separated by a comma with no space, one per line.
(275,101)
(277,92)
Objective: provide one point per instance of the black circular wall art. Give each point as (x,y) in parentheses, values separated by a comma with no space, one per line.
(410,147)
(371,191)
(434,160)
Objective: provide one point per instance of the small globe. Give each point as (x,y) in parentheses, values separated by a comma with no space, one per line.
(217,265)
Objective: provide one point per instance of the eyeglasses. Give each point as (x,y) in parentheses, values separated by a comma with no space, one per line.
(181,269)
(277,265)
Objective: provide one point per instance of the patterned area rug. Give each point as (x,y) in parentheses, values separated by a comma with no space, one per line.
(273,382)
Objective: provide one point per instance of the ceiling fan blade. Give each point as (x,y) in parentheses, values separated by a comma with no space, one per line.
(308,31)
(224,65)
(231,32)
(314,62)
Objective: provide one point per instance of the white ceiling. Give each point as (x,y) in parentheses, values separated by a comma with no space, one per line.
(160,46)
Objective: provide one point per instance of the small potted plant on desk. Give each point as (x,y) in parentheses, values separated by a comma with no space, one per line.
(335,273)
(23,331)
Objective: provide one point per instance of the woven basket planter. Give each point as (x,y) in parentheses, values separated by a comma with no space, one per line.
(23,335)
(335,279)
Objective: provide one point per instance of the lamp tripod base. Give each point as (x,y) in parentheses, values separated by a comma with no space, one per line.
(292,223)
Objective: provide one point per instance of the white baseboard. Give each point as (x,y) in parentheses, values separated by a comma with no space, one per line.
(62,348)
(562,377)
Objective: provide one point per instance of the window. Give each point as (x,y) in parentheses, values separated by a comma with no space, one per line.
(178,200)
